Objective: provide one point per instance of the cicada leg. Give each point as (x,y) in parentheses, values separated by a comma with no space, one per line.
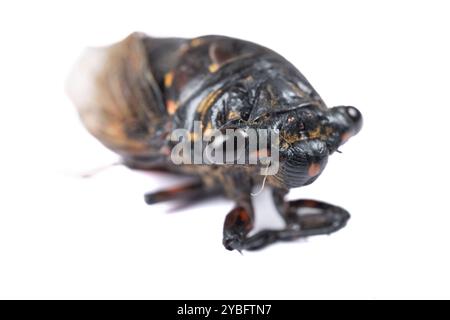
(303,218)
(238,223)
(189,192)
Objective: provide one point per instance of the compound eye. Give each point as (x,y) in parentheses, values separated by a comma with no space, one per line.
(353,113)
(356,118)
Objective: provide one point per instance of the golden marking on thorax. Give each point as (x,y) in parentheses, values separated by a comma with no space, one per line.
(196,42)
(233,115)
(291,138)
(171,106)
(168,79)
(314,134)
(213,67)
(207,103)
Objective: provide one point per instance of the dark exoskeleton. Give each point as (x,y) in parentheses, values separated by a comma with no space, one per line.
(139,90)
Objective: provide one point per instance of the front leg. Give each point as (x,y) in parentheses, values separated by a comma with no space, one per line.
(303,218)
(238,223)
(308,217)
(240,220)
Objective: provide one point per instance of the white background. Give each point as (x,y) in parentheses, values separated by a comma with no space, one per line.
(66,237)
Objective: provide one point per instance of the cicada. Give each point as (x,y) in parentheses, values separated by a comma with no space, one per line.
(141,90)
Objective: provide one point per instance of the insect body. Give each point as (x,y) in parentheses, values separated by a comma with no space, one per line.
(141,89)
